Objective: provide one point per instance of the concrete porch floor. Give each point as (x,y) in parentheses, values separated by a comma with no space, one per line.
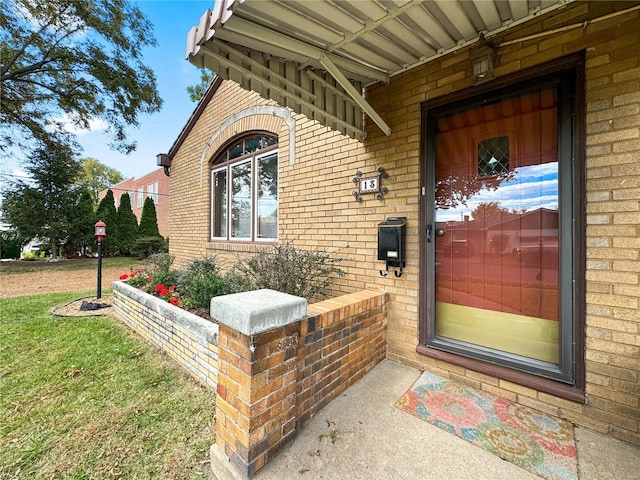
(373,439)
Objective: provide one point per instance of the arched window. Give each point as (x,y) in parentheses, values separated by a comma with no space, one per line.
(244,189)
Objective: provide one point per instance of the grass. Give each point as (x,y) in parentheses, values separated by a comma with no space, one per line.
(24,266)
(82,398)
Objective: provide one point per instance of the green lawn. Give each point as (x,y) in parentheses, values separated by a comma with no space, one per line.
(83,398)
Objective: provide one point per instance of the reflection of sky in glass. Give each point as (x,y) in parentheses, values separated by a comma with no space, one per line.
(267,207)
(532,187)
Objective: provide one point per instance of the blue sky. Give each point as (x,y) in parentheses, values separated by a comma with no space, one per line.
(171,20)
(533,187)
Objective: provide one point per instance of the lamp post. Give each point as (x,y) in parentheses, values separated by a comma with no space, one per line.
(100,233)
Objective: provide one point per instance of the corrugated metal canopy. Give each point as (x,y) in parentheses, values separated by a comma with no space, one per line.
(315,56)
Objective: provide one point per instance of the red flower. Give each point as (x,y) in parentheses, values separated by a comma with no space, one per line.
(160,287)
(174,301)
(164,292)
(124,277)
(131,275)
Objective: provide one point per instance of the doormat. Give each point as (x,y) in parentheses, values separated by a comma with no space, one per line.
(539,443)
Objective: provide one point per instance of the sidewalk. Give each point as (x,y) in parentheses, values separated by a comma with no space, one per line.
(361,435)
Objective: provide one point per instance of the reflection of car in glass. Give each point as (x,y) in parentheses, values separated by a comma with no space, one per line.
(458,248)
(537,254)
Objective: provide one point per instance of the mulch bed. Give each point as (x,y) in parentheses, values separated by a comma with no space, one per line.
(76,309)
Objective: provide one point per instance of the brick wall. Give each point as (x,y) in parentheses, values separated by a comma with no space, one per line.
(317,209)
(272,383)
(183,336)
(612,51)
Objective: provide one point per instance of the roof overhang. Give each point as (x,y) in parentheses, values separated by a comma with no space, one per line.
(316,56)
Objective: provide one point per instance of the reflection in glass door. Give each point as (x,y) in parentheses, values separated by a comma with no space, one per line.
(496,229)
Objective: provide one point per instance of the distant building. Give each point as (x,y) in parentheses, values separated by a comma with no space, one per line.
(154,185)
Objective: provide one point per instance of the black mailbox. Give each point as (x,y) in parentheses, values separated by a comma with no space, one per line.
(391,241)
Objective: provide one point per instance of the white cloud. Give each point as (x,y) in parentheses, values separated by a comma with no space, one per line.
(532,187)
(19,173)
(67,123)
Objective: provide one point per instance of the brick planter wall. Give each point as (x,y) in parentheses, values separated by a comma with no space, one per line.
(272,381)
(273,361)
(187,338)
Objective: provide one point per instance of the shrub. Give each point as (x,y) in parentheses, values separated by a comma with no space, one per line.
(201,281)
(147,246)
(199,291)
(285,268)
(29,256)
(157,263)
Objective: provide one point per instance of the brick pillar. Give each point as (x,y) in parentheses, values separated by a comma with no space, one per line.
(257,372)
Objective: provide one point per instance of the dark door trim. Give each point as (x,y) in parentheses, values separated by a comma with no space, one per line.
(572,178)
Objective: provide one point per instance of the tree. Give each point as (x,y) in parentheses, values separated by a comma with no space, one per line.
(127,226)
(197,91)
(96,176)
(106,212)
(73,61)
(488,209)
(149,240)
(81,237)
(44,205)
(148,220)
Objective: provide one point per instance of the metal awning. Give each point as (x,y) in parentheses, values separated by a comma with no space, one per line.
(315,56)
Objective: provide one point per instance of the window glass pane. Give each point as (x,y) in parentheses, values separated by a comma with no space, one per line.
(252,144)
(268,196)
(497,221)
(236,151)
(493,156)
(268,141)
(241,200)
(219,207)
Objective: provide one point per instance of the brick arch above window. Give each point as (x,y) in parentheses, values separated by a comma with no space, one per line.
(268,118)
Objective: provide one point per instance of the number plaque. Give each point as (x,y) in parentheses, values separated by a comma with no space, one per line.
(370,184)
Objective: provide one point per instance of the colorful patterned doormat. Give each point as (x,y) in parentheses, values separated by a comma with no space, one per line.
(539,443)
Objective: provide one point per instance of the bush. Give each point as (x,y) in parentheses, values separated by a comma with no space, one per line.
(157,263)
(201,281)
(30,256)
(146,246)
(287,269)
(199,291)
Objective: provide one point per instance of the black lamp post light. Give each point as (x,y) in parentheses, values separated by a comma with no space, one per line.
(100,233)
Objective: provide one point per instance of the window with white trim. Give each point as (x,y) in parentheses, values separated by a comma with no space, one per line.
(140,197)
(152,191)
(244,190)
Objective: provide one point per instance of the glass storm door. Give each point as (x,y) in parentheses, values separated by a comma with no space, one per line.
(494,235)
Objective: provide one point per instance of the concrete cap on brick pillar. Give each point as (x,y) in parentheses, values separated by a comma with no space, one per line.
(257,311)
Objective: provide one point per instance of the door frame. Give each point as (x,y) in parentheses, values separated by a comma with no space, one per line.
(571,178)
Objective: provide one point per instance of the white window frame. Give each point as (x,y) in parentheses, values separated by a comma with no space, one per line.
(152,191)
(256,186)
(141,197)
(254,201)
